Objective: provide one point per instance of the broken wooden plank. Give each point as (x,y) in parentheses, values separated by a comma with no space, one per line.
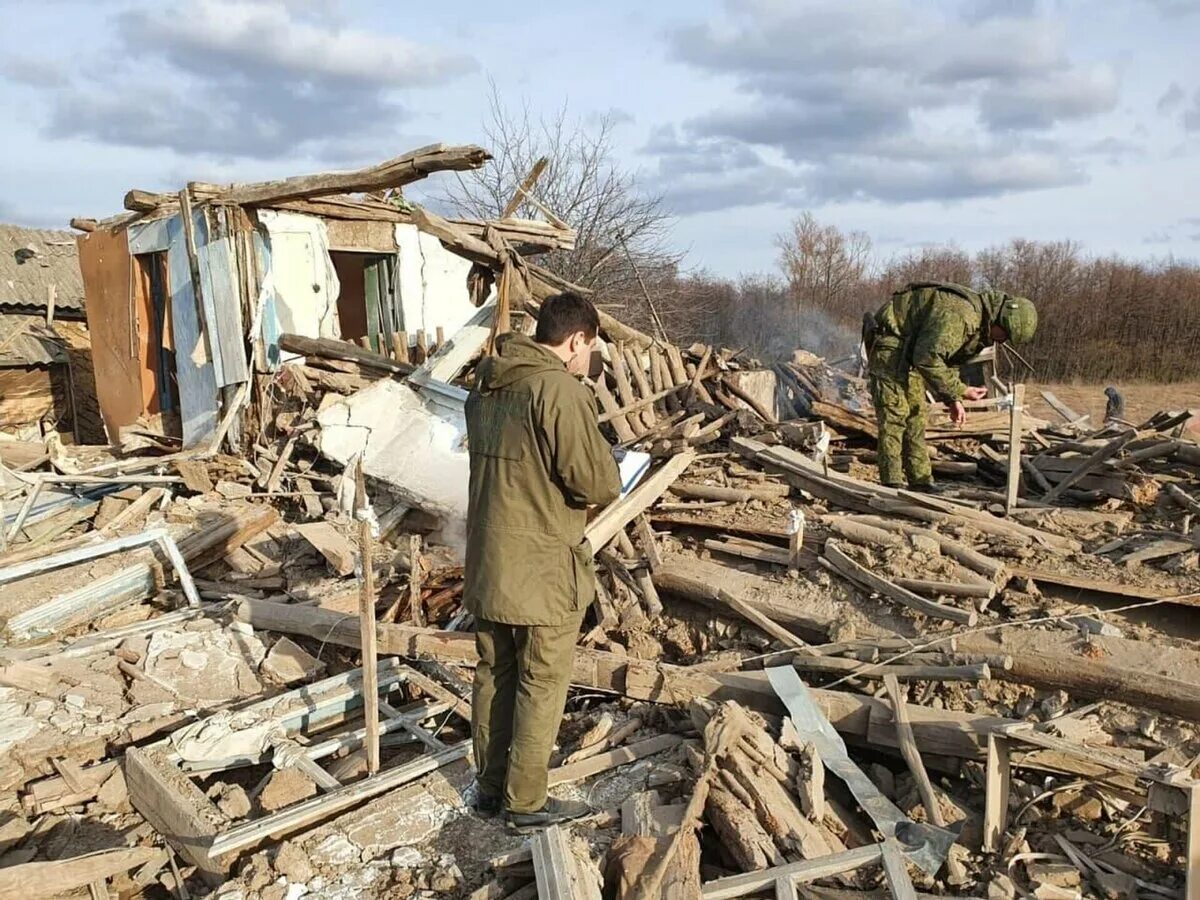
(799,872)
(1090,464)
(763,622)
(35,880)
(558,870)
(621,512)
(908,749)
(612,759)
(852,570)
(330,543)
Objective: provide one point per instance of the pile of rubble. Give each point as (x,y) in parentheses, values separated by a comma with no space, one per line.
(243,668)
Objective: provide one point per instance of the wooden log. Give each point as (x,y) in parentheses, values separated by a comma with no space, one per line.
(1181,497)
(613,413)
(860,533)
(848,568)
(332,349)
(765,492)
(839,666)
(559,872)
(331,544)
(634,366)
(740,832)
(978,562)
(751,550)
(947,588)
(401,170)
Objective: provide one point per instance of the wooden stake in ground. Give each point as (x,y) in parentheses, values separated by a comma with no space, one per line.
(795,538)
(414,580)
(1017,396)
(366,614)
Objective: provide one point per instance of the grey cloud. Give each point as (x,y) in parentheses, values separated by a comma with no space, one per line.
(982,10)
(1157,237)
(874,100)
(1191,115)
(1039,103)
(986,176)
(1171,98)
(258,79)
(1175,8)
(1114,148)
(33,72)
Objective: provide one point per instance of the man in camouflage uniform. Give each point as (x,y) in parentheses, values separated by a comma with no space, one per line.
(919,340)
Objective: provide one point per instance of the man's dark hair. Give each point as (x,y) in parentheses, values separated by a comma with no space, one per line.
(564,314)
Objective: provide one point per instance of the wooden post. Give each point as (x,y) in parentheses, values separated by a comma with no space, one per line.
(201,354)
(441,337)
(999,775)
(1017,395)
(1193,844)
(51,296)
(422,347)
(795,538)
(400,346)
(366,613)
(414,579)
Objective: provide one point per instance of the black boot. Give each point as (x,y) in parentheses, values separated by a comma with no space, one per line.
(553,812)
(926,487)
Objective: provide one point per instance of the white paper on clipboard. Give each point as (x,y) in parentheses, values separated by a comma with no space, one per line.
(631,465)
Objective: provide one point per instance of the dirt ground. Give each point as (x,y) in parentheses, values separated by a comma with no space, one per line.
(1142,400)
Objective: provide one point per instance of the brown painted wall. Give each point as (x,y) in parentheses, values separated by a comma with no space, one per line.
(106,266)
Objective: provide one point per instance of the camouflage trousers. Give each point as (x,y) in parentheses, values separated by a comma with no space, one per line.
(901,412)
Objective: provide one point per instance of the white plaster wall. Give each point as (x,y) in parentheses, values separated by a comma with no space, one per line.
(417,447)
(433,284)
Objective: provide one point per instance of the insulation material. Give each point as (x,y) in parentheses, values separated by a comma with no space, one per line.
(302,276)
(432,284)
(417,446)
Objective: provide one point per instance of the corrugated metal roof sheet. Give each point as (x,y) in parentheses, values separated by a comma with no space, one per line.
(31,260)
(26,341)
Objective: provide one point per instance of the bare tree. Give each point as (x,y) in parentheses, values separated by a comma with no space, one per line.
(821,263)
(621,232)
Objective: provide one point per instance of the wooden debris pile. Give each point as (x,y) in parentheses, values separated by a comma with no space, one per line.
(247,674)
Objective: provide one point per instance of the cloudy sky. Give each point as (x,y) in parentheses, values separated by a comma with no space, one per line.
(916,121)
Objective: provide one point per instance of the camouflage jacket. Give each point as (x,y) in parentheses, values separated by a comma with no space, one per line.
(933,328)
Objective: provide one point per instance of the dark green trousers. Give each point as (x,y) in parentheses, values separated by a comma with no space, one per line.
(520,692)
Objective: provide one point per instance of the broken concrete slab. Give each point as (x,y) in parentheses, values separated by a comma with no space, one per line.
(287,663)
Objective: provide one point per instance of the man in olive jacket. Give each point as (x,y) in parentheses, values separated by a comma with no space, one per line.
(538,461)
(917,341)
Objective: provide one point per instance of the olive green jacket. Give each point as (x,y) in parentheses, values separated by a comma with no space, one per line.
(537,461)
(933,328)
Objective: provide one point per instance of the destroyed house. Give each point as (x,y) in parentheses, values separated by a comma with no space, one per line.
(190,293)
(39,284)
